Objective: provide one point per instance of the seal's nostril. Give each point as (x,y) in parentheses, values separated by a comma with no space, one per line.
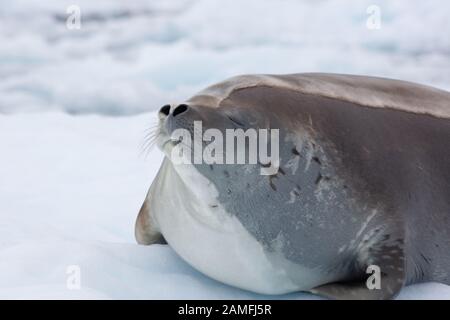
(180,109)
(165,109)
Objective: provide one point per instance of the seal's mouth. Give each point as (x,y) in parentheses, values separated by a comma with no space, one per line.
(163,141)
(167,142)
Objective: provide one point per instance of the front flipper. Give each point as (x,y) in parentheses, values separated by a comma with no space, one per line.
(145,231)
(388,258)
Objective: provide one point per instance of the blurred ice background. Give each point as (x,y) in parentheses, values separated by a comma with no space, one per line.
(71,186)
(134,56)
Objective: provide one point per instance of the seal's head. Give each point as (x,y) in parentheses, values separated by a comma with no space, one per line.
(219,139)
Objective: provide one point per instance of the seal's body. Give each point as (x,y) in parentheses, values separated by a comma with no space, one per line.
(363,180)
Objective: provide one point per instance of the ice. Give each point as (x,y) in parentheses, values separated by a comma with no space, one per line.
(134,56)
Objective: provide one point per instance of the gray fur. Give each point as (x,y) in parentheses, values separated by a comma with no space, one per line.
(359,184)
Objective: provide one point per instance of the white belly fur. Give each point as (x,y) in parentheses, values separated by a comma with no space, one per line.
(215,242)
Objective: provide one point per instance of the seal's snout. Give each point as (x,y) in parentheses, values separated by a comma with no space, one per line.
(180,116)
(165,110)
(180,109)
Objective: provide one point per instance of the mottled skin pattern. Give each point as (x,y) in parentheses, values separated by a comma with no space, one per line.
(357,186)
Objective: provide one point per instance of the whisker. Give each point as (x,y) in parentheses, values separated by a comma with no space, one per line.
(149,140)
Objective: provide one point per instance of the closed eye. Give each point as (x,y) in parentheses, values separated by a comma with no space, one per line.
(235,121)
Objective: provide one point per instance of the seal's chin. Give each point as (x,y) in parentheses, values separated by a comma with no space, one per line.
(165,143)
(171,149)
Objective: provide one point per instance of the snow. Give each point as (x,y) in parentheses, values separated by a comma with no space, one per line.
(70,190)
(75,106)
(133,56)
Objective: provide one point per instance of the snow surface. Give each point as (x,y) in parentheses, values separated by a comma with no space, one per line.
(134,56)
(71,186)
(70,190)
